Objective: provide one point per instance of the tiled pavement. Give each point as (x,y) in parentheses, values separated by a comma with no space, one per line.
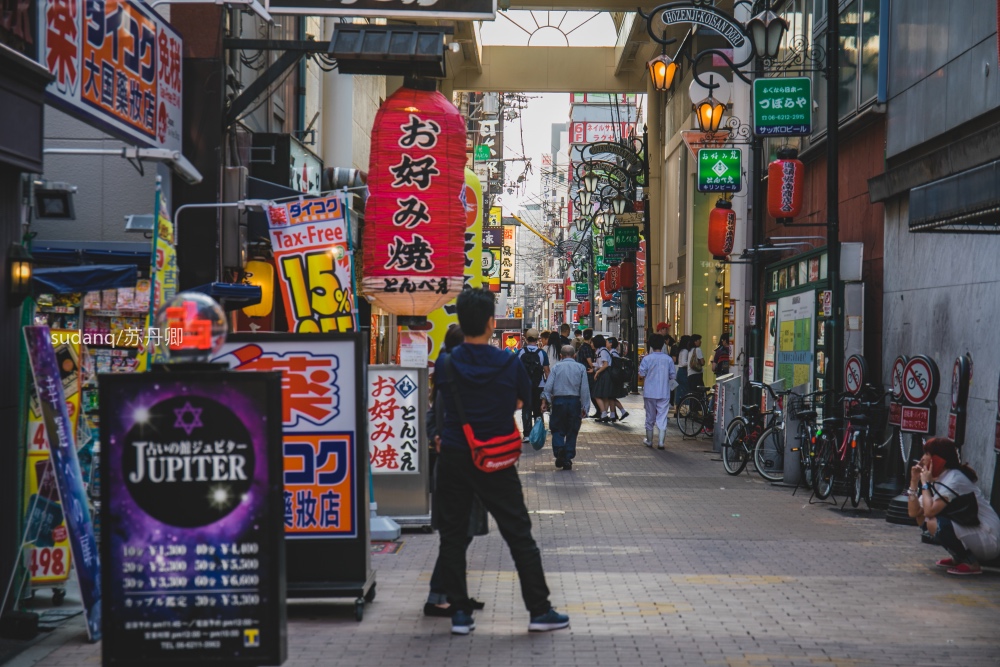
(660,558)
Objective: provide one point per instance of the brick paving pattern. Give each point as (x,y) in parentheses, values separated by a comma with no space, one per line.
(660,558)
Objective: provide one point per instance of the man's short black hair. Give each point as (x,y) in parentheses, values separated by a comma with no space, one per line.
(656,342)
(588,334)
(564,329)
(577,333)
(475,308)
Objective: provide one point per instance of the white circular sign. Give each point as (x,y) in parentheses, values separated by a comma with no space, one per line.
(917,381)
(853,375)
(897,377)
(721,93)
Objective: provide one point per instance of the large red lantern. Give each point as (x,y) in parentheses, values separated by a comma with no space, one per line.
(721,229)
(605,292)
(612,278)
(413,244)
(627,274)
(784,186)
(583,309)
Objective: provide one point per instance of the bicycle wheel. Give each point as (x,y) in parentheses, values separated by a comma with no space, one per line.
(825,466)
(690,415)
(804,439)
(854,482)
(867,473)
(734,457)
(769,455)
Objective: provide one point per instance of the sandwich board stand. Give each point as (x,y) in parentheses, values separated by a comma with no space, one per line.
(193,555)
(325,499)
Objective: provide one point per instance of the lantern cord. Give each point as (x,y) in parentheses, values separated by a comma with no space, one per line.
(350,250)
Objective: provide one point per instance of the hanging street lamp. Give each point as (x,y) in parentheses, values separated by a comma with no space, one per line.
(590,181)
(709,112)
(662,71)
(618,204)
(766,31)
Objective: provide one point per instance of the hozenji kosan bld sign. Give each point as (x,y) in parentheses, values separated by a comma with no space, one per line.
(709,17)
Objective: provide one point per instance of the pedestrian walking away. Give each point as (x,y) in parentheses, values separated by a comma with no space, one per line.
(568,393)
(621,374)
(603,390)
(536,364)
(721,356)
(947,504)
(491,386)
(683,354)
(585,355)
(659,372)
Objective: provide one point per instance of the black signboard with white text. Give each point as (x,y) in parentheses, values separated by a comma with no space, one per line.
(191,506)
(425,9)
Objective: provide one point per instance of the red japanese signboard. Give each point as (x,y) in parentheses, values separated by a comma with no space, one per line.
(319,425)
(588,132)
(117,65)
(414,218)
(395,419)
(916,420)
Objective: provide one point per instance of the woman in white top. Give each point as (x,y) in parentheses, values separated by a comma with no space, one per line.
(935,482)
(603,391)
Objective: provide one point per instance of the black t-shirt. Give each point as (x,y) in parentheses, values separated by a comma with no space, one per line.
(586,352)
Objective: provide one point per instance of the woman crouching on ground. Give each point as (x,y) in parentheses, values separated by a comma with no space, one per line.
(937,480)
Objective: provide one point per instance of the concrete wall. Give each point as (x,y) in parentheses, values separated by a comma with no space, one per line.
(109,187)
(942,299)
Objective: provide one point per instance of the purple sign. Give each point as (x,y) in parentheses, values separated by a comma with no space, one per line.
(69,481)
(191,509)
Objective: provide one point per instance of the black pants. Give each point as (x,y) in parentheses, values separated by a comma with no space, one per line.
(529,412)
(501,494)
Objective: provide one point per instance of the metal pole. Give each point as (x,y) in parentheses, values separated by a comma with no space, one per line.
(755,341)
(834,323)
(591,270)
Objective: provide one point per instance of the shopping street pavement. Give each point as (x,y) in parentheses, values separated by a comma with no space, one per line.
(659,558)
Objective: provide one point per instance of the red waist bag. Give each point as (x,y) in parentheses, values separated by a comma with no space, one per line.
(491,455)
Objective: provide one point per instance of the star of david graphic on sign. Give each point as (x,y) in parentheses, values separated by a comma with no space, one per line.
(405,386)
(191,424)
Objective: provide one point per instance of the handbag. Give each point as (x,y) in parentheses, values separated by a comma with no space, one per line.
(537,436)
(695,363)
(491,455)
(963,510)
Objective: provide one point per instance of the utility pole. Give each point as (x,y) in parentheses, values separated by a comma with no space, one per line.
(834,323)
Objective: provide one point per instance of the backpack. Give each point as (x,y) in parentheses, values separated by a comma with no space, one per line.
(621,369)
(532,361)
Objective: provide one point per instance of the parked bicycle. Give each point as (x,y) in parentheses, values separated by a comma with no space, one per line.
(845,448)
(757,435)
(696,412)
(803,410)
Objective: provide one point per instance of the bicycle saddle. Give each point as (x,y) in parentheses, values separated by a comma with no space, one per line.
(833,421)
(806,415)
(861,420)
(751,407)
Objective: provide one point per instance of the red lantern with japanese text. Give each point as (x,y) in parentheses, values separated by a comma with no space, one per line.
(612,278)
(413,243)
(721,229)
(784,186)
(626,274)
(605,292)
(583,309)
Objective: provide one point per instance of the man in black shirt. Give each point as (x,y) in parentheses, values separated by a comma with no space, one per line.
(585,355)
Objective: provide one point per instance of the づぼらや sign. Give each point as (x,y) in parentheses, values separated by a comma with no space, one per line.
(782,107)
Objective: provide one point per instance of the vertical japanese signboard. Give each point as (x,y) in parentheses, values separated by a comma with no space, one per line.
(47,555)
(319,426)
(310,244)
(64,463)
(782,107)
(193,551)
(117,65)
(508,255)
(720,170)
(394,441)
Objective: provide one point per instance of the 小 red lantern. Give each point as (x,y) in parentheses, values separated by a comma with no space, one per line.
(627,274)
(721,229)
(414,235)
(784,186)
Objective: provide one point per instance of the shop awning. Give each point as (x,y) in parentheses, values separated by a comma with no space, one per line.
(70,279)
(967,202)
(231,295)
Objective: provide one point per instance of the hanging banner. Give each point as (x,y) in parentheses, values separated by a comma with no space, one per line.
(190,507)
(66,467)
(320,394)
(310,245)
(117,66)
(508,255)
(47,557)
(396,423)
(440,319)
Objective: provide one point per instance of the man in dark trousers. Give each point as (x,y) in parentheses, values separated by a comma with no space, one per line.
(491,385)
(568,392)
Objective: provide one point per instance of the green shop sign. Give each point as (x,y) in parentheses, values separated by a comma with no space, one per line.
(720,170)
(481,153)
(627,239)
(601,265)
(782,107)
(581,291)
(611,252)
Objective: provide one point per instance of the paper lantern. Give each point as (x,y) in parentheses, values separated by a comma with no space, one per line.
(627,274)
(415,220)
(721,229)
(583,309)
(612,278)
(784,186)
(605,292)
(260,272)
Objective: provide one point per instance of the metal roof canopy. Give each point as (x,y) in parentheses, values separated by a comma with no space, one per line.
(393,50)
(967,202)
